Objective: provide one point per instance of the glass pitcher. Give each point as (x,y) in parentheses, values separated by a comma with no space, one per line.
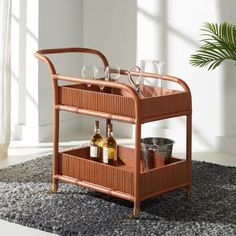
(135,80)
(152,66)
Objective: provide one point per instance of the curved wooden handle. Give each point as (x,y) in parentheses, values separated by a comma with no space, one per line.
(104,83)
(40,54)
(157,76)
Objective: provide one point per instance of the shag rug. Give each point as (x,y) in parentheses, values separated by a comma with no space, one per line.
(24,199)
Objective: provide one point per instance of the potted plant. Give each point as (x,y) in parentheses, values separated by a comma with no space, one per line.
(218,44)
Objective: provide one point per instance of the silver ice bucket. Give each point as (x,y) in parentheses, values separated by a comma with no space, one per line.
(155,146)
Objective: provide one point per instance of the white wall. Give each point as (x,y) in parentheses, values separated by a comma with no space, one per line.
(60,25)
(127,31)
(169,30)
(37,25)
(110,26)
(24,69)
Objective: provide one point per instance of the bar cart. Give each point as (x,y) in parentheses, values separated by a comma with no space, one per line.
(119,101)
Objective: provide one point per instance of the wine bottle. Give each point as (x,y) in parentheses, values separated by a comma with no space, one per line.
(96,143)
(110,148)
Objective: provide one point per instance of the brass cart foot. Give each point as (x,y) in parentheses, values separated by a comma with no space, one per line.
(135,214)
(188,194)
(53,188)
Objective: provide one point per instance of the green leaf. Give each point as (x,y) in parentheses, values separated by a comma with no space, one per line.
(218,44)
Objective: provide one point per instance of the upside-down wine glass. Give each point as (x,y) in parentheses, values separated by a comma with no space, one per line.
(112,73)
(100,74)
(88,72)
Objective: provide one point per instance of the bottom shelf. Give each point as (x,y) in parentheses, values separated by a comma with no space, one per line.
(75,165)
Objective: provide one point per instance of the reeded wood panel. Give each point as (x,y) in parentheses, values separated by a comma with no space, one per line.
(119,103)
(80,96)
(170,103)
(164,178)
(75,164)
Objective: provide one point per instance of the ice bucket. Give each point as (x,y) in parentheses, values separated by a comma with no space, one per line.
(154,147)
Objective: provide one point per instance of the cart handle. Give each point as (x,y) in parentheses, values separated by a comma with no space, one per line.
(40,54)
(162,77)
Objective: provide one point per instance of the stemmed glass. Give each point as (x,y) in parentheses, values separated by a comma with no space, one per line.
(100,74)
(112,73)
(88,72)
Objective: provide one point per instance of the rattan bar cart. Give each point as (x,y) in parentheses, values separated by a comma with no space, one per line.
(119,102)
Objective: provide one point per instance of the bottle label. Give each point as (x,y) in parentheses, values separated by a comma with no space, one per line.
(93,151)
(105,155)
(109,153)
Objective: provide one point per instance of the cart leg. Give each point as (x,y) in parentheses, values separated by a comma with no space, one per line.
(188,193)
(189,156)
(135,214)
(137,178)
(54,186)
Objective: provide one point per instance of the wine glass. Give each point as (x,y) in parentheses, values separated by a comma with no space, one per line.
(112,73)
(100,74)
(88,72)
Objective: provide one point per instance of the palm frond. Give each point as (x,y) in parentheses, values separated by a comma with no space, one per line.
(218,44)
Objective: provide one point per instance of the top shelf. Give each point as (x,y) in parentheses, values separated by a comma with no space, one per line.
(118,104)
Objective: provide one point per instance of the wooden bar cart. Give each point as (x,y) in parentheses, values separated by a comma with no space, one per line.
(120,102)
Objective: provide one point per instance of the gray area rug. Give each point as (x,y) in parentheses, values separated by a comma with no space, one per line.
(24,199)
